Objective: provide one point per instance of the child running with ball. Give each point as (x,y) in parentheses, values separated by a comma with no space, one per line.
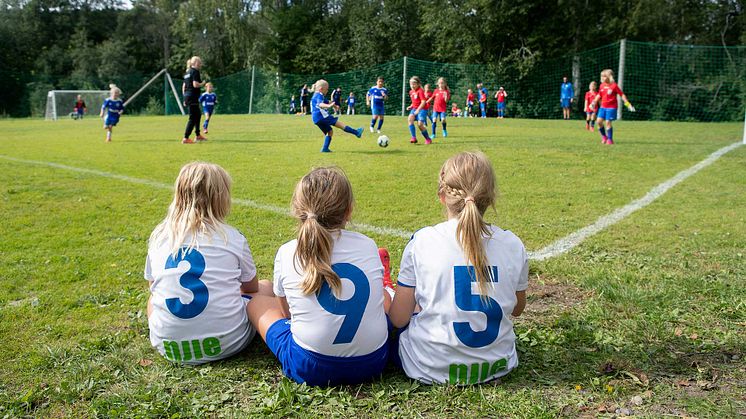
(324,119)
(417,111)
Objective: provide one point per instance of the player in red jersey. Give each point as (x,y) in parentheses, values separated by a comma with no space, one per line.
(469,103)
(428,100)
(589,106)
(501,95)
(441,96)
(417,110)
(608,94)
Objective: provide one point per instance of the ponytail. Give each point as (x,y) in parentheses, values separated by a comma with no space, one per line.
(314,252)
(470,231)
(322,202)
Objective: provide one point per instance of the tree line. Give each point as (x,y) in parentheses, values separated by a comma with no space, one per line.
(87,44)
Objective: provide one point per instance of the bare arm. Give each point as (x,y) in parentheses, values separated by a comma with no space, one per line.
(284,306)
(251,286)
(521,304)
(402,307)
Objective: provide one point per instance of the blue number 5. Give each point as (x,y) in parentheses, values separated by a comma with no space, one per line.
(189,280)
(465,300)
(353,308)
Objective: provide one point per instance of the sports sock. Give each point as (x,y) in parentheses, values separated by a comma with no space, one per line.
(412,131)
(425,134)
(602,131)
(380,123)
(435,124)
(593,124)
(444,125)
(609,133)
(373,122)
(108,135)
(350,130)
(205,124)
(327,143)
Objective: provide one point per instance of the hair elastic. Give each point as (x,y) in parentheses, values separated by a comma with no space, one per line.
(468,199)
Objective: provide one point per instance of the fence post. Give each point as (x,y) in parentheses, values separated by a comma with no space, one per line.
(744,127)
(620,74)
(404,86)
(251,93)
(165,95)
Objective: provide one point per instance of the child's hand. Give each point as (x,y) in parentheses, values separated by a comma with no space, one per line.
(629,106)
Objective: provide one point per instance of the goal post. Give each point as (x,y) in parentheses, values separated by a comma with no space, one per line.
(60,103)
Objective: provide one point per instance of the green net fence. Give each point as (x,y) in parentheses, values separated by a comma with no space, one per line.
(664,82)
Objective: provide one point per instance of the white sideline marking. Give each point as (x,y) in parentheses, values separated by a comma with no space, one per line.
(557,248)
(388,231)
(570,241)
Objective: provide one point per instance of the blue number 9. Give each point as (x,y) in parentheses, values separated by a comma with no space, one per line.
(465,300)
(189,280)
(354,308)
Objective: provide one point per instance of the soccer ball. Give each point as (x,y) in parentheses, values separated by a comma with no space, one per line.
(383,141)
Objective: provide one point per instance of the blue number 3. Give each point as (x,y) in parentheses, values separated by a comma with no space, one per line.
(189,280)
(354,308)
(465,300)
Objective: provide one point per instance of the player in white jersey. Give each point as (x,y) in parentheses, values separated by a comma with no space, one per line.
(468,278)
(327,325)
(198,267)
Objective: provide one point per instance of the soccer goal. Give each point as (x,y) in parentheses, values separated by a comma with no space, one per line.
(61,103)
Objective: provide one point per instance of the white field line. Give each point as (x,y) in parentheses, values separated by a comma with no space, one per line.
(570,241)
(388,231)
(557,248)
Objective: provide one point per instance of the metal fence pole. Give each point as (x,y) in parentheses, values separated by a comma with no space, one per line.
(620,74)
(251,93)
(404,86)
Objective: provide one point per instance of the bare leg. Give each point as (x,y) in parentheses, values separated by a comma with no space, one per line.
(263,312)
(150,306)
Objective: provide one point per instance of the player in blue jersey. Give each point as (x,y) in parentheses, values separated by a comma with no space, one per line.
(208,101)
(351,104)
(325,120)
(293,109)
(337,100)
(567,96)
(111,109)
(375,99)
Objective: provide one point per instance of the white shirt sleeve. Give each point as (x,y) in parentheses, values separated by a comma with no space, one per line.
(148,274)
(407,277)
(523,277)
(277,279)
(246,262)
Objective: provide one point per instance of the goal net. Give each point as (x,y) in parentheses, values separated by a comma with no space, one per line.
(61,103)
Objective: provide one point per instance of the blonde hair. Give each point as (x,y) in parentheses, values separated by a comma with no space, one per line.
(468,186)
(609,74)
(114,89)
(202,200)
(322,202)
(593,85)
(319,84)
(444,82)
(416,80)
(188,64)
(209,84)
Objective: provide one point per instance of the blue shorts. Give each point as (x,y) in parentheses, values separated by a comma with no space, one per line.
(304,366)
(565,102)
(111,121)
(419,116)
(208,109)
(79,111)
(377,110)
(326,124)
(608,114)
(441,115)
(470,103)
(500,105)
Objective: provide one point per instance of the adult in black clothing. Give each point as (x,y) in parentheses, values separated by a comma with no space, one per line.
(304,99)
(191,90)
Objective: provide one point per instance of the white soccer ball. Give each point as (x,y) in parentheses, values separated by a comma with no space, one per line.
(383,141)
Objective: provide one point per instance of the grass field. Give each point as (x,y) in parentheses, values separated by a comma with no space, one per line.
(645,318)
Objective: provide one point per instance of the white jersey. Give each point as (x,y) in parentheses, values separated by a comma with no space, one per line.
(459,337)
(198,312)
(353,324)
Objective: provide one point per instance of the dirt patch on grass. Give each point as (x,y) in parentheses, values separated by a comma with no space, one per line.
(549,297)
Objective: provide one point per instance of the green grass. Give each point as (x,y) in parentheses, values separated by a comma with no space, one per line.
(652,307)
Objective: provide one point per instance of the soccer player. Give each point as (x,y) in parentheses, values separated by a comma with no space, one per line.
(114,107)
(191,89)
(293,109)
(469,279)
(208,101)
(375,99)
(469,103)
(351,104)
(417,110)
(198,267)
(590,106)
(482,99)
(501,95)
(323,119)
(79,109)
(441,96)
(325,331)
(337,100)
(428,99)
(567,96)
(607,93)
